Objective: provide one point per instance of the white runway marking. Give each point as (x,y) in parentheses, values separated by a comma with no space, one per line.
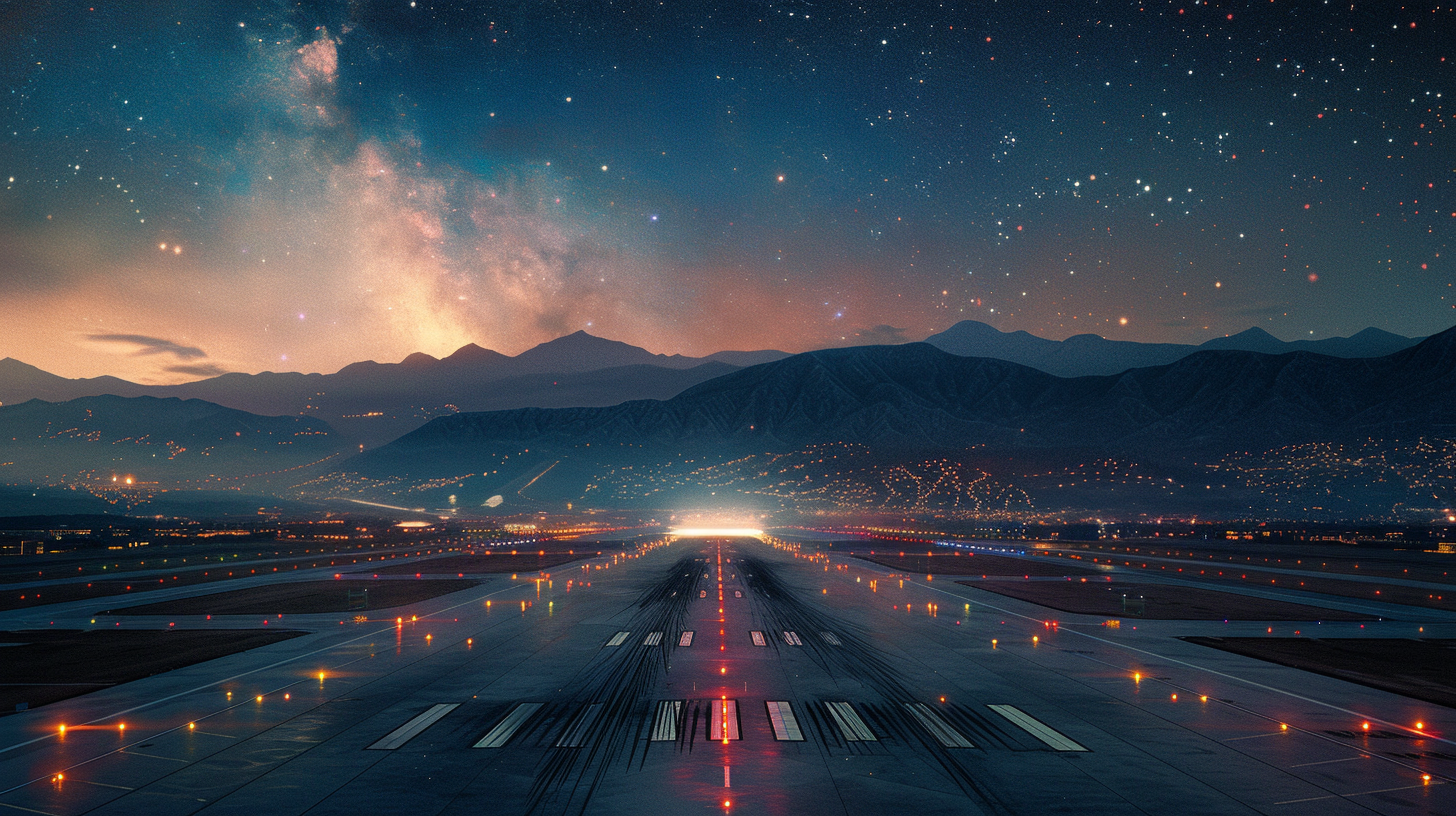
(664,725)
(618,639)
(1037,728)
(130,752)
(785,725)
(792,638)
(652,639)
(940,729)
(507,727)
(850,725)
(758,639)
(686,639)
(1256,736)
(575,736)
(830,638)
(412,729)
(723,725)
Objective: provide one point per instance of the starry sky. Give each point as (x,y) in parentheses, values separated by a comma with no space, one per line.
(191,188)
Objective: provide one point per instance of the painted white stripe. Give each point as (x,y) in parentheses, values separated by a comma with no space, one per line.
(785,724)
(724,722)
(758,639)
(947,736)
(686,639)
(576,734)
(831,639)
(412,729)
(618,639)
(506,728)
(1036,728)
(652,639)
(664,725)
(792,638)
(850,725)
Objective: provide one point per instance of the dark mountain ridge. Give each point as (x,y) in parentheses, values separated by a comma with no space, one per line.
(916,397)
(1089,354)
(162,440)
(371,403)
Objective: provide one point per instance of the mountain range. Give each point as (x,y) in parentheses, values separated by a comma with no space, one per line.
(908,402)
(370,403)
(154,441)
(902,421)
(1085,354)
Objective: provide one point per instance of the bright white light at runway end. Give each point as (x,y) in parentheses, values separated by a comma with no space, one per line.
(717,532)
(413,524)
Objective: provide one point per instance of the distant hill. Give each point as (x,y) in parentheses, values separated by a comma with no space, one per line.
(1087,354)
(157,442)
(371,403)
(914,400)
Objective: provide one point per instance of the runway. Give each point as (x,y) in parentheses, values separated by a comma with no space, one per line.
(725,675)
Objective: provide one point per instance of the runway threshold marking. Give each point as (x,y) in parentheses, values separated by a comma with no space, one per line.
(830,638)
(413,728)
(686,639)
(785,725)
(792,638)
(850,725)
(575,734)
(618,639)
(652,639)
(506,728)
(758,638)
(943,732)
(723,724)
(1037,728)
(664,725)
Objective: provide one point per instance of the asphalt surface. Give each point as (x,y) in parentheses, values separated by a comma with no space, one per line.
(871,693)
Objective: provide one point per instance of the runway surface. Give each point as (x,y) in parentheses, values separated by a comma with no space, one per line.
(713,675)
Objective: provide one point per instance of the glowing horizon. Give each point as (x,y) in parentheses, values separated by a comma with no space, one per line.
(716,532)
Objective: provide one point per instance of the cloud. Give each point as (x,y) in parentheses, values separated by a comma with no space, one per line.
(144,346)
(881,335)
(318,61)
(197,370)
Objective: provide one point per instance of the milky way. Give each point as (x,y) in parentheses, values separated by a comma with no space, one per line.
(191,188)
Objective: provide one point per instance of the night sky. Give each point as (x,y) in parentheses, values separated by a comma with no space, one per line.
(189,190)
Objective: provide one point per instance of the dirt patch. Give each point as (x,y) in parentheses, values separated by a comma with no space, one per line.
(1157,601)
(1409,667)
(485,563)
(51,665)
(305,597)
(972,564)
